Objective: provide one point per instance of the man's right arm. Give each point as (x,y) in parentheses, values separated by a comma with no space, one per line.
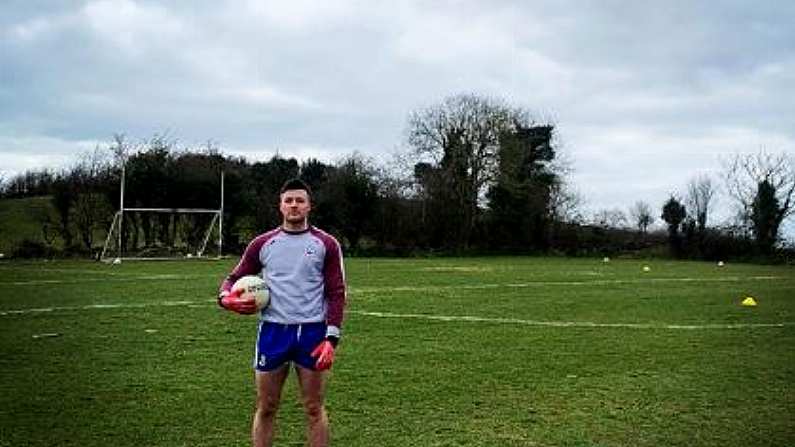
(249,265)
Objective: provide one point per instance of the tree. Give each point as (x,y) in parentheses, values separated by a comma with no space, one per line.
(121,149)
(268,179)
(674,213)
(520,201)
(436,214)
(196,184)
(745,174)
(62,200)
(148,176)
(610,218)
(315,173)
(398,224)
(565,203)
(459,140)
(90,206)
(239,198)
(641,215)
(700,192)
(50,227)
(352,198)
(29,184)
(766,217)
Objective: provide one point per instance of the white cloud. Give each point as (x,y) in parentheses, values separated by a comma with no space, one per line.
(29,30)
(20,154)
(302,15)
(132,26)
(267,96)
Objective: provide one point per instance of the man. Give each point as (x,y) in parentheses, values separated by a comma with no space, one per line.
(303,268)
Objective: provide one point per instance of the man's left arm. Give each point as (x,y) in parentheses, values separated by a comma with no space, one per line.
(335,290)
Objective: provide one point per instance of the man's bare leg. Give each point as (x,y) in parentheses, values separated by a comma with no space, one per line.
(269,391)
(313,390)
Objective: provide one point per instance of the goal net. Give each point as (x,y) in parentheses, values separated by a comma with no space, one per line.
(163,233)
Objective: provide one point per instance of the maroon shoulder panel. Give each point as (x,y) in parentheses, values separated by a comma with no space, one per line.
(250,261)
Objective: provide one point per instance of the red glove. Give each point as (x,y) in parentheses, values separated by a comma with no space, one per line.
(324,352)
(232,301)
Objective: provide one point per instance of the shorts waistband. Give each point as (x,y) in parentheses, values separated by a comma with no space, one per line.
(293,325)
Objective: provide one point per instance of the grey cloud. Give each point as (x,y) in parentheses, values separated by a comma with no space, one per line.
(632,85)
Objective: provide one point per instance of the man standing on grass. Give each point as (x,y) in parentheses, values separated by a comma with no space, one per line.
(303,268)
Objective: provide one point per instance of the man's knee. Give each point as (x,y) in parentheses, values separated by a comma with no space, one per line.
(267,408)
(315,411)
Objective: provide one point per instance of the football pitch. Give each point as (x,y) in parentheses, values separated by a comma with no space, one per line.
(435,352)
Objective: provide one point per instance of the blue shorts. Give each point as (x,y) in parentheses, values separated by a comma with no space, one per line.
(280,343)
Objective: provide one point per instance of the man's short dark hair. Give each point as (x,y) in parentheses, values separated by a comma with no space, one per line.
(296,183)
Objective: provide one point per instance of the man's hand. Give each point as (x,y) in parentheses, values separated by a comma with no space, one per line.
(232,301)
(324,352)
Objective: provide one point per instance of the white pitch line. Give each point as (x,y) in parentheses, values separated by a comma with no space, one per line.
(597,282)
(105,306)
(39,268)
(576,324)
(161,277)
(444,318)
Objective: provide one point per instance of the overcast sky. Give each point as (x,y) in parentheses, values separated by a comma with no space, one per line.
(645,95)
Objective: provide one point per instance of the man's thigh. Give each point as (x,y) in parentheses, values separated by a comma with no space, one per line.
(269,386)
(312,384)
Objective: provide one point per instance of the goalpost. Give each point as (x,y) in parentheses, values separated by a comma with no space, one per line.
(184,237)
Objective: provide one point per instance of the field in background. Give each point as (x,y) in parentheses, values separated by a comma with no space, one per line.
(436,352)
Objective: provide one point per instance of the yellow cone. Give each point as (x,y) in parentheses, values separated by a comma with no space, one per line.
(749,301)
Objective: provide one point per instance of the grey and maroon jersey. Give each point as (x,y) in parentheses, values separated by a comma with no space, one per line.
(305,276)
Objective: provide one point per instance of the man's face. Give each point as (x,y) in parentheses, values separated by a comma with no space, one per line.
(294,206)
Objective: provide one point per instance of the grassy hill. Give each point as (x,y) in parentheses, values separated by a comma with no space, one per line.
(19,221)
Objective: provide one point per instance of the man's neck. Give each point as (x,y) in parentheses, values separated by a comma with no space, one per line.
(295,228)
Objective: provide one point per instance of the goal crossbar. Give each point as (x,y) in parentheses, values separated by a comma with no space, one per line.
(174,210)
(118,221)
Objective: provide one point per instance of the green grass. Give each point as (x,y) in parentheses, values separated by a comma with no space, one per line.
(562,352)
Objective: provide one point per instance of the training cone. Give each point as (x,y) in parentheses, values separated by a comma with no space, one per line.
(749,301)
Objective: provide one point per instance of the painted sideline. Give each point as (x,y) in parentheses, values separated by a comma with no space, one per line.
(442,318)
(596,282)
(575,324)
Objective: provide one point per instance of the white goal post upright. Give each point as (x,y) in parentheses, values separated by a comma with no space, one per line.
(220,219)
(121,208)
(118,226)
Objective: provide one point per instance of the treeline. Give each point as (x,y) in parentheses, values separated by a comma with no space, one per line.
(478,176)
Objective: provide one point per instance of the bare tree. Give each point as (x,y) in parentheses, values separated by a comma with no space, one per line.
(461,138)
(610,218)
(90,207)
(744,175)
(565,203)
(641,215)
(700,192)
(121,149)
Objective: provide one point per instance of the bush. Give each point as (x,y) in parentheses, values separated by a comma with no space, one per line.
(31,249)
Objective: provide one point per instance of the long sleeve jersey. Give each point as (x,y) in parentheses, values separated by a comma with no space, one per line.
(305,276)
